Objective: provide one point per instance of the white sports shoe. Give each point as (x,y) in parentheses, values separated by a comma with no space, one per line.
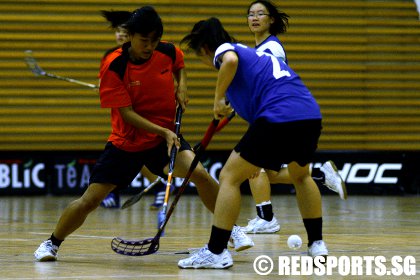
(203,258)
(46,252)
(318,248)
(333,180)
(259,225)
(239,240)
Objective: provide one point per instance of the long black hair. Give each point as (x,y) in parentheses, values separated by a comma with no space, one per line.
(281,19)
(210,33)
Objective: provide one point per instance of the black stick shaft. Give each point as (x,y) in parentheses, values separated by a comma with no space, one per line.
(211,130)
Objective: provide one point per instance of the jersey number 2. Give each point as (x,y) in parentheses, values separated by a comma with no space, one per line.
(277,72)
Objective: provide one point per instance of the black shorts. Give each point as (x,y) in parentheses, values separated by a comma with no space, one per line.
(270,145)
(119,167)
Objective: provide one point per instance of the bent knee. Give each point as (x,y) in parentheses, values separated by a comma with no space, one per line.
(88,203)
(201,176)
(230,178)
(200,173)
(94,194)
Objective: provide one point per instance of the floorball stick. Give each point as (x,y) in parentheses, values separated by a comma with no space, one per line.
(225,121)
(162,214)
(38,71)
(220,126)
(135,198)
(151,245)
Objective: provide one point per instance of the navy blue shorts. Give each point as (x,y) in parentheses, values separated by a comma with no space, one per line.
(119,167)
(270,145)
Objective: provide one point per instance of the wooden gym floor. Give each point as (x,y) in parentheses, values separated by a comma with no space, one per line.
(361,226)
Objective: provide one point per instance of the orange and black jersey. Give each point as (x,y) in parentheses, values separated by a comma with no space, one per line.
(108,57)
(147,87)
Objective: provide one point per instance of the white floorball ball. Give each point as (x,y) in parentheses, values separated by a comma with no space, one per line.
(294,242)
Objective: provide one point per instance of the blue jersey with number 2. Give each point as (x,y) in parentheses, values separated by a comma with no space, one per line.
(265,87)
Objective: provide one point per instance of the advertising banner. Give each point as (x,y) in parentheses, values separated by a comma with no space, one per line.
(62,173)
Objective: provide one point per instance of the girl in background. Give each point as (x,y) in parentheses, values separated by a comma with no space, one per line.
(265,21)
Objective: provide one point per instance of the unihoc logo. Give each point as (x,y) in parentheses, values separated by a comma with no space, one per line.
(352,173)
(364,173)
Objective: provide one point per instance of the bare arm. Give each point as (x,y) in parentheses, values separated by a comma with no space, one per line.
(225,76)
(131,117)
(181,87)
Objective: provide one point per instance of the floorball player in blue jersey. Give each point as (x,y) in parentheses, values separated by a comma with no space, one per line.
(284,128)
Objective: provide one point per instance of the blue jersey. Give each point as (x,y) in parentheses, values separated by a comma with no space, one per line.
(272,45)
(265,87)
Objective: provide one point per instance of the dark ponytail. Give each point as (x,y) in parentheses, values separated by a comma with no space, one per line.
(208,33)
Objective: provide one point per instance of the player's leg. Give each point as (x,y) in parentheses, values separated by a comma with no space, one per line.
(76,212)
(327,175)
(71,219)
(310,206)
(233,174)
(215,254)
(260,187)
(157,162)
(307,192)
(206,186)
(280,177)
(208,190)
(265,222)
(114,168)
